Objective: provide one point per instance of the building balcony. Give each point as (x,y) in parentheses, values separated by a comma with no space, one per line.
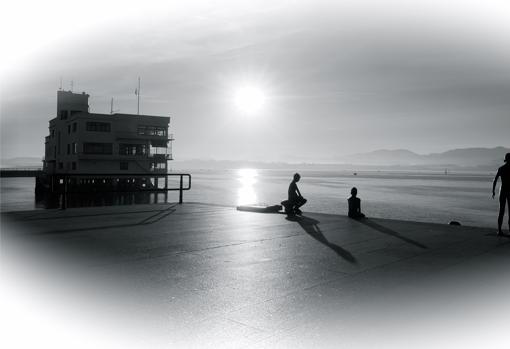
(125,157)
(160,156)
(158,170)
(137,136)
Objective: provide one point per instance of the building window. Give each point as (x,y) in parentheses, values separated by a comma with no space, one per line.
(132,149)
(74,165)
(52,133)
(75,148)
(63,115)
(97,148)
(75,126)
(156,166)
(69,129)
(152,130)
(74,112)
(60,165)
(98,127)
(124,165)
(68,148)
(157,148)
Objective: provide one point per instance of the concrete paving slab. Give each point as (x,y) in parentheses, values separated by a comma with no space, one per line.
(199,275)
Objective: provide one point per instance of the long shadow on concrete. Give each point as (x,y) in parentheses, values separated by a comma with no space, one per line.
(42,216)
(92,241)
(311,227)
(159,215)
(388,231)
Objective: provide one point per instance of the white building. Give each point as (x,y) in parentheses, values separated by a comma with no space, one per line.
(91,143)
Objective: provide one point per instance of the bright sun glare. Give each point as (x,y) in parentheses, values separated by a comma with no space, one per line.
(250,99)
(246,193)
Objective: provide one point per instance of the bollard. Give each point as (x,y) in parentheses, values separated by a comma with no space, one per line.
(180,190)
(64,195)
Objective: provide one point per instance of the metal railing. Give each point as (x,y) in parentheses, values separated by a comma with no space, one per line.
(121,156)
(60,183)
(136,135)
(160,156)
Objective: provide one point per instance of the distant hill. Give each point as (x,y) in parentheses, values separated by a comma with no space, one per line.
(385,157)
(468,157)
(471,156)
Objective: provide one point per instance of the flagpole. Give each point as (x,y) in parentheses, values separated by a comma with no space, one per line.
(138,94)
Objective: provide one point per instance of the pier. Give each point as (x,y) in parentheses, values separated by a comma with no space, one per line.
(20,172)
(210,276)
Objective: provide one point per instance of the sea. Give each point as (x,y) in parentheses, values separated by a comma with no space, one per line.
(415,196)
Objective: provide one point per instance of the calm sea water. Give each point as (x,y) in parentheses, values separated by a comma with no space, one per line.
(426,197)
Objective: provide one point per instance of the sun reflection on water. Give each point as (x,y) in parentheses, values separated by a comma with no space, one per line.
(246,194)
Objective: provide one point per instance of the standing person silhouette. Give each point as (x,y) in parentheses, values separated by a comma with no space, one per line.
(504,192)
(355,205)
(296,200)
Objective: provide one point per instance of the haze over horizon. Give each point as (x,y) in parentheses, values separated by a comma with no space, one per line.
(334,78)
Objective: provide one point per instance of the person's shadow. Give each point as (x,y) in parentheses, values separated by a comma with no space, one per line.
(388,231)
(311,227)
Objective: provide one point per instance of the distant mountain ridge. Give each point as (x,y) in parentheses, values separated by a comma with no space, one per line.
(466,157)
(486,158)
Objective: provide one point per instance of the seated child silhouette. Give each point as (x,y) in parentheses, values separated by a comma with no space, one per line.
(355,205)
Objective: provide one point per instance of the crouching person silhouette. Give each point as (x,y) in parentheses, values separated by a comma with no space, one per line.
(295,199)
(355,205)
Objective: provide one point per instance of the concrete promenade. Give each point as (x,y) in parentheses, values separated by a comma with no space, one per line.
(210,276)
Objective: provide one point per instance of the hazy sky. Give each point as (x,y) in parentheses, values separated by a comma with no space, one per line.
(337,77)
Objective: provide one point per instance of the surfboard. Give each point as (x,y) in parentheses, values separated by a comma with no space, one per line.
(260,208)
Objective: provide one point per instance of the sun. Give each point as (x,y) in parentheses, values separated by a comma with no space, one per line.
(249,99)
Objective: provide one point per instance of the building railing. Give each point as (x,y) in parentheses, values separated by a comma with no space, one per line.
(165,156)
(137,136)
(63,183)
(121,157)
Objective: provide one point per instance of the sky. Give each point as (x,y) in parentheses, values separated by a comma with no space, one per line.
(266,80)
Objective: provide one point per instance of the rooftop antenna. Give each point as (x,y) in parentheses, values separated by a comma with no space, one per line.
(137,92)
(60,87)
(111,107)
(72,85)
